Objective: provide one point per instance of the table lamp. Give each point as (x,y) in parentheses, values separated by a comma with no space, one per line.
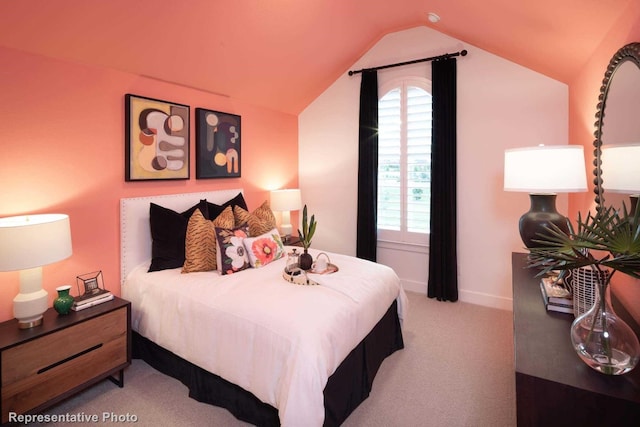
(286,201)
(544,171)
(26,244)
(621,171)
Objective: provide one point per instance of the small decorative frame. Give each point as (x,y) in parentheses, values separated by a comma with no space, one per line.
(218,144)
(92,284)
(156,139)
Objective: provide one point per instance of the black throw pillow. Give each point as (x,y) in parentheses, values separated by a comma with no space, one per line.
(215,210)
(168,234)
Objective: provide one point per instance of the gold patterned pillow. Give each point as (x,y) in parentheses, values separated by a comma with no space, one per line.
(259,221)
(200,242)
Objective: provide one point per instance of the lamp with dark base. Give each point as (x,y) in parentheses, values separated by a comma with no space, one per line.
(539,218)
(543,172)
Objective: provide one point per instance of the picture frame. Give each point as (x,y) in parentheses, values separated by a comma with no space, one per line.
(156,139)
(218,144)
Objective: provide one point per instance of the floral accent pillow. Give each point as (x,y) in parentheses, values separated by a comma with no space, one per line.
(264,249)
(231,254)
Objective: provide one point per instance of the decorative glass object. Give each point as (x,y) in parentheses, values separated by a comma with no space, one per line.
(62,304)
(602,339)
(293,261)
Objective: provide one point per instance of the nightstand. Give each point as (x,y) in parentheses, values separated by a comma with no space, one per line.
(293,241)
(42,366)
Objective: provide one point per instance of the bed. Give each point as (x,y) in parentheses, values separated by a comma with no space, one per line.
(271,352)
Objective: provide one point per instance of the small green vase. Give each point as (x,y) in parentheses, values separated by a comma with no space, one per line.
(63,303)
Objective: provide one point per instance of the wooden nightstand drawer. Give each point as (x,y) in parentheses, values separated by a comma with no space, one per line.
(43,370)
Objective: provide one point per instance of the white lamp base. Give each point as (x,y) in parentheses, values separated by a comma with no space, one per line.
(32,301)
(286,228)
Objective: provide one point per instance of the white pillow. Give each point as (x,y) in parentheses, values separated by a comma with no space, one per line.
(264,248)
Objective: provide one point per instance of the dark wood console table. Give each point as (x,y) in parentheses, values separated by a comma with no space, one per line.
(553,386)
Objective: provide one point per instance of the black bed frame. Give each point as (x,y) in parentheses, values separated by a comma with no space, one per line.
(349,385)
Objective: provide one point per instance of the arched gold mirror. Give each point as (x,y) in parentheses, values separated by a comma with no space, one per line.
(617,121)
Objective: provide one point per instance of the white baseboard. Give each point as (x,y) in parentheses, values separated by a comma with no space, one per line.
(487,300)
(471,297)
(414,286)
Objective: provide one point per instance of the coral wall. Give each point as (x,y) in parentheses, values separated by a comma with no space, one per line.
(583,95)
(62,141)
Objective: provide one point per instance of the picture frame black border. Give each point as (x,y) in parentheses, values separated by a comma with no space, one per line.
(128,99)
(202,171)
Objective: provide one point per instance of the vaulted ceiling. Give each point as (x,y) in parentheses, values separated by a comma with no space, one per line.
(283,53)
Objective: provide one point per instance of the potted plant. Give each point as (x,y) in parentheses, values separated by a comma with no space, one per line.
(305,235)
(606,242)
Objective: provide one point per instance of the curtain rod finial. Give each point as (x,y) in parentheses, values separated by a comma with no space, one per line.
(463,52)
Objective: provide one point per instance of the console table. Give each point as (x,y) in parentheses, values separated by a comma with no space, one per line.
(553,386)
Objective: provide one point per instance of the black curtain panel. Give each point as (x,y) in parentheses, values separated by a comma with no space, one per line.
(368,167)
(443,259)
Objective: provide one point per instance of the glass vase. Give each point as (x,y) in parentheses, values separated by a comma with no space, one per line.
(602,339)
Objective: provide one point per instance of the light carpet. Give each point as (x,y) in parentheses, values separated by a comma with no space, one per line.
(456,369)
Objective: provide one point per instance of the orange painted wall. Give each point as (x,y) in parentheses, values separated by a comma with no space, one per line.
(583,97)
(62,150)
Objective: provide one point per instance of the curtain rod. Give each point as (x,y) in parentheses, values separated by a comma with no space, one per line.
(415,61)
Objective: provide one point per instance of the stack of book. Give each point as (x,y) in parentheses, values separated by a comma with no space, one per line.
(555,296)
(89,300)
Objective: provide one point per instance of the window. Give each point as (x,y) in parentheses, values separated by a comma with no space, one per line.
(404,162)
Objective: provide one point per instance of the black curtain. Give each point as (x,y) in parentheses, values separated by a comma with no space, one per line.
(366,239)
(443,259)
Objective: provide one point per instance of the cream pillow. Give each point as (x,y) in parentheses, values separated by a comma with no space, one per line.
(264,249)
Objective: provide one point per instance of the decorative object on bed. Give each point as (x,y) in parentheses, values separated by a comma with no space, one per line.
(608,241)
(322,265)
(260,221)
(298,276)
(286,201)
(200,241)
(169,228)
(259,360)
(27,243)
(264,249)
(542,172)
(231,253)
(169,232)
(305,235)
(293,260)
(218,153)
(63,302)
(156,139)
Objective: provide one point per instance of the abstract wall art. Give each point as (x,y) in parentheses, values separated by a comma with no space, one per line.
(156,139)
(218,153)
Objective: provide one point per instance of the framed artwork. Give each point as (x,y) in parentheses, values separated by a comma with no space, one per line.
(156,139)
(218,144)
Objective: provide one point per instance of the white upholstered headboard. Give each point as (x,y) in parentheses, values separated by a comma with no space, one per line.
(135,232)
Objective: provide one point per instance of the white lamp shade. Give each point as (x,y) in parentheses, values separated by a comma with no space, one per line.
(621,168)
(33,241)
(545,169)
(286,200)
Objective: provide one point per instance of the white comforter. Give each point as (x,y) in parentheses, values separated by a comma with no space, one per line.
(278,340)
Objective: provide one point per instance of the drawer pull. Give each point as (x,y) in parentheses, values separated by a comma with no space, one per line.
(53,365)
